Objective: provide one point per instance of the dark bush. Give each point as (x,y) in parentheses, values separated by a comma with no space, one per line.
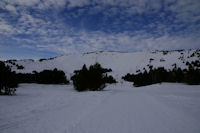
(162,60)
(129,77)
(27,78)
(40,60)
(8,81)
(165,52)
(92,79)
(109,79)
(19,66)
(151,59)
(52,77)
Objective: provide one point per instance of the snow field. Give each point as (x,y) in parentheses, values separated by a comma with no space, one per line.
(159,108)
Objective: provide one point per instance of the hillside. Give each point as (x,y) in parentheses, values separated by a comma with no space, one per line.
(120,63)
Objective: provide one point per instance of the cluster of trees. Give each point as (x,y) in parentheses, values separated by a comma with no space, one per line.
(193,64)
(92,79)
(13,63)
(158,75)
(8,81)
(45,77)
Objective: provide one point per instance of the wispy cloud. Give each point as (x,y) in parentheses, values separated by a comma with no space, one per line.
(77,26)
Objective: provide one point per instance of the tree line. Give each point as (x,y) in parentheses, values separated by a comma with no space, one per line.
(9,80)
(44,77)
(160,74)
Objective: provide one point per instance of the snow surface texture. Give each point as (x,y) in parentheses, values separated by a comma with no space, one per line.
(120,63)
(121,108)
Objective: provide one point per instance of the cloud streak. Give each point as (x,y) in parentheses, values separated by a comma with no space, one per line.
(77,26)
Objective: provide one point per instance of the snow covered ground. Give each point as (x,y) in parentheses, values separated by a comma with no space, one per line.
(121,108)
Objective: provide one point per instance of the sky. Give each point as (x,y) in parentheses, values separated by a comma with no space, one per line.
(47,28)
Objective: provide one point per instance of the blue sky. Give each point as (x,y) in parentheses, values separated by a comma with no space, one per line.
(48,28)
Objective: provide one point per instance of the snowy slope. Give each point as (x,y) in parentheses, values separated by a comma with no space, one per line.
(121,108)
(121,63)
